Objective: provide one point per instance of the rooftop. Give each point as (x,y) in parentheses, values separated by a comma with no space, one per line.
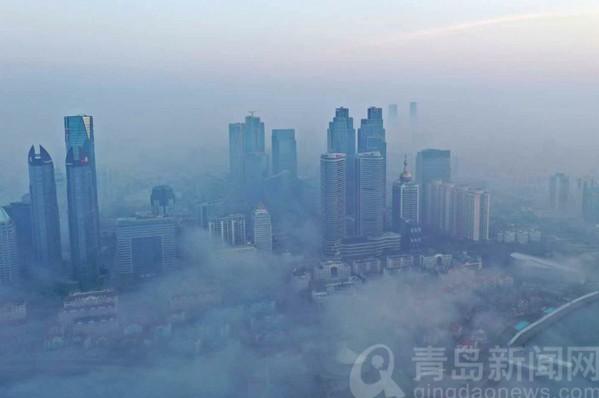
(4,217)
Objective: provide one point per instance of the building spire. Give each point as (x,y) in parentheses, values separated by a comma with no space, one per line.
(405,176)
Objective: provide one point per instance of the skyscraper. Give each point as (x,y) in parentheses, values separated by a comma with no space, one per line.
(82,197)
(413,120)
(8,249)
(341,138)
(405,200)
(370,194)
(284,151)
(332,195)
(248,160)
(341,135)
(20,214)
(236,151)
(262,229)
(458,211)
(371,134)
(413,114)
(431,165)
(44,209)
(559,192)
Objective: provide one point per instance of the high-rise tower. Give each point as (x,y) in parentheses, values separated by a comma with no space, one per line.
(431,165)
(44,209)
(371,134)
(341,138)
(8,249)
(248,161)
(284,151)
(370,194)
(405,200)
(332,195)
(82,196)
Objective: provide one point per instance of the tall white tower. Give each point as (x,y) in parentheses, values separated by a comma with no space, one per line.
(333,168)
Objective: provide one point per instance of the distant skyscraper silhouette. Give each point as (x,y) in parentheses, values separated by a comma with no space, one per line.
(284,151)
(332,195)
(370,198)
(341,138)
(236,151)
(248,160)
(82,196)
(44,210)
(416,142)
(559,192)
(9,260)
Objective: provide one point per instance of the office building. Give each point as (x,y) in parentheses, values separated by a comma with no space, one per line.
(333,195)
(82,198)
(559,192)
(262,227)
(45,220)
(284,151)
(20,214)
(162,200)
(371,134)
(341,138)
(372,246)
(236,151)
(9,260)
(393,112)
(473,211)
(248,161)
(230,230)
(458,211)
(405,200)
(431,165)
(145,246)
(370,193)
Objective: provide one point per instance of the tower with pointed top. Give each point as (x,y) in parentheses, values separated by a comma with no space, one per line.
(405,200)
(82,196)
(44,210)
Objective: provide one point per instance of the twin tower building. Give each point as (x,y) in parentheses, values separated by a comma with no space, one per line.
(353,191)
(82,199)
(353,180)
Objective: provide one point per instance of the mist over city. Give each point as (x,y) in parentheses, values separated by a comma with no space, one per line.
(299,199)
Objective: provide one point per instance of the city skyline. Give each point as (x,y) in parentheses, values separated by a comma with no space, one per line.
(331,199)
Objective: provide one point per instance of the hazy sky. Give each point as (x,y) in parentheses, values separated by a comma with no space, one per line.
(170,75)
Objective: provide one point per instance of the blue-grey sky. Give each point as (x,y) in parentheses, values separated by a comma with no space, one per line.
(169,76)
